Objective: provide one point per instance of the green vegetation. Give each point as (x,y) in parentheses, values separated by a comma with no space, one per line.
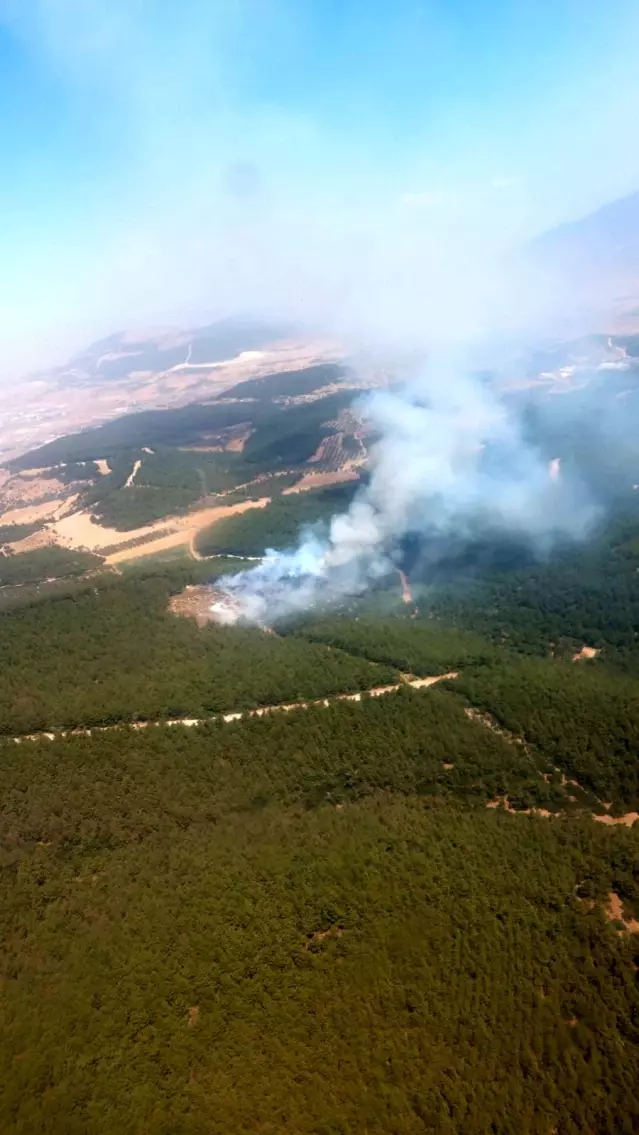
(202,473)
(410,646)
(11,533)
(45,564)
(168,482)
(118,654)
(195,939)
(309,922)
(138,506)
(281,433)
(581,718)
(75,471)
(263,486)
(149,428)
(173,478)
(288,384)
(278,525)
(586,594)
(290,436)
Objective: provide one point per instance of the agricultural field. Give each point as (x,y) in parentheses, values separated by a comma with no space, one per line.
(146,483)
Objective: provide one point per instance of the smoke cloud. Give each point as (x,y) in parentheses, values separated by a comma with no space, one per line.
(363,169)
(352,166)
(452,458)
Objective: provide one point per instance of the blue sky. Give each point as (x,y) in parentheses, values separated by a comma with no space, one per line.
(165,162)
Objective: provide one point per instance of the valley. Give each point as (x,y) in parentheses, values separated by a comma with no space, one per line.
(397,836)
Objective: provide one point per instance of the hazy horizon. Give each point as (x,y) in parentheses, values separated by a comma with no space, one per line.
(341,165)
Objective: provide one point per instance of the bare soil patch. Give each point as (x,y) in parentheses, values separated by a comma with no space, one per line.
(627,820)
(406,591)
(322,935)
(614,913)
(585,653)
(80,531)
(132,475)
(319,480)
(25,490)
(47,510)
(197,601)
(503,802)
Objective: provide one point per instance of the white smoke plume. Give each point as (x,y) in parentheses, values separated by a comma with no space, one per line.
(451,455)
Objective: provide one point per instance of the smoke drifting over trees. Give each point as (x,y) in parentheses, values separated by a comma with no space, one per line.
(452,458)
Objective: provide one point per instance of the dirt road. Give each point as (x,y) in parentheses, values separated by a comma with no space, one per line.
(132,475)
(374,692)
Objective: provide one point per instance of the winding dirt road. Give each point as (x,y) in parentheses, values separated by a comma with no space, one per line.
(375,692)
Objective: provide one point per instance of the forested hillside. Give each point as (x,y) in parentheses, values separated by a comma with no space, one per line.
(405,904)
(45,563)
(412,646)
(321,894)
(580,717)
(586,593)
(117,654)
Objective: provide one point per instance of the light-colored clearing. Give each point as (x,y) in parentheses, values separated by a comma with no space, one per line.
(318,480)
(421,683)
(236,443)
(103,466)
(503,802)
(132,475)
(187,528)
(23,491)
(48,510)
(79,531)
(320,935)
(585,653)
(33,472)
(200,448)
(406,591)
(627,820)
(614,913)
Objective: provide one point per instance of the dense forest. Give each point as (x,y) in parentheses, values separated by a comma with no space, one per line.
(45,563)
(282,434)
(292,436)
(584,593)
(318,893)
(10,533)
(420,648)
(117,653)
(289,384)
(404,905)
(583,719)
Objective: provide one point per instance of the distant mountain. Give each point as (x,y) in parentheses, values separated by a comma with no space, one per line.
(596,258)
(128,352)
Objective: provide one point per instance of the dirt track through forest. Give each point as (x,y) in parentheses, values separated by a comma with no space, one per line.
(285,707)
(238,715)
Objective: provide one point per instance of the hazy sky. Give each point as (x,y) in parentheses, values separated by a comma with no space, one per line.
(325,159)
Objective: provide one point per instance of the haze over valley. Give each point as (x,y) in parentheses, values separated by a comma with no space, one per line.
(319,568)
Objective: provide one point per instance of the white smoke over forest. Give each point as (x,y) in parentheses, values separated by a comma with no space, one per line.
(451,458)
